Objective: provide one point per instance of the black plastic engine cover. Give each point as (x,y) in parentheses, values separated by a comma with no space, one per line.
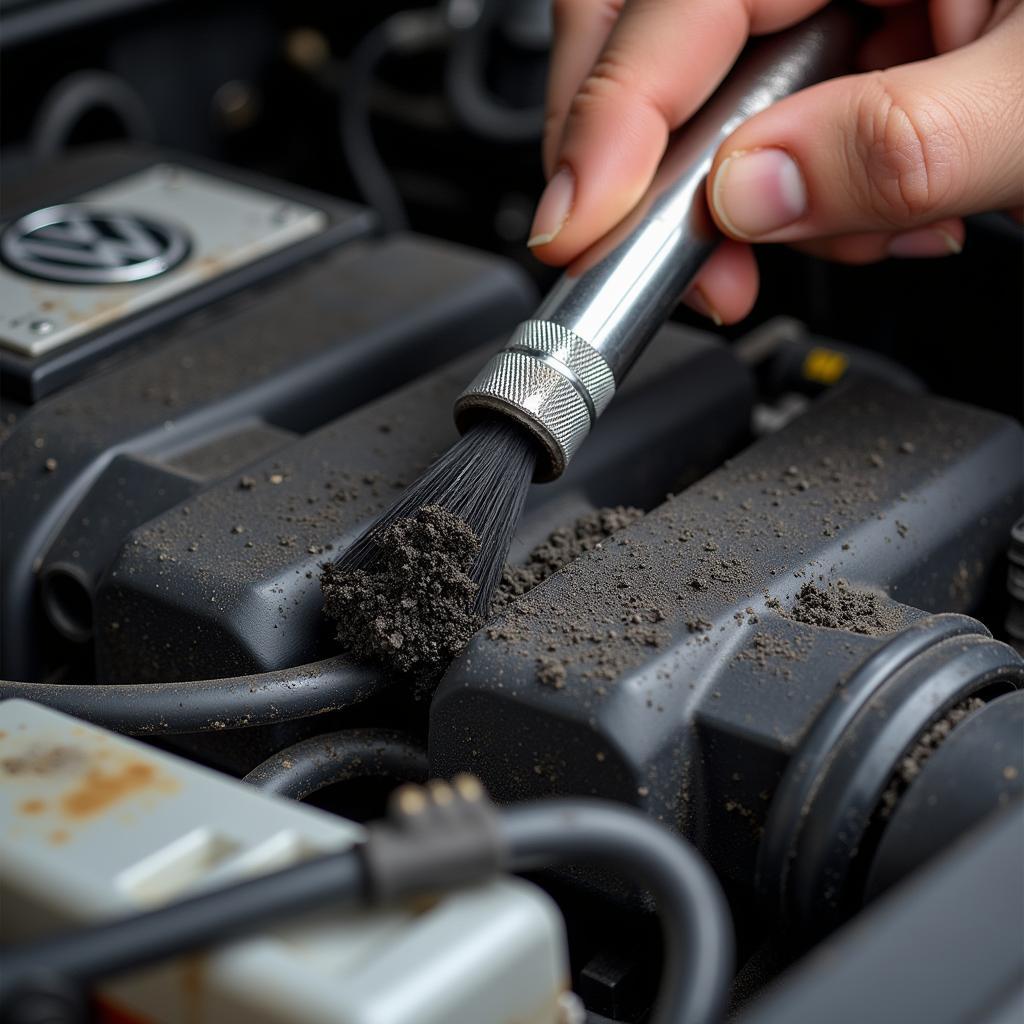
(116,325)
(687,687)
(227,581)
(218,391)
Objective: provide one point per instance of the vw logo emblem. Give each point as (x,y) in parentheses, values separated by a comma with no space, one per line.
(79,244)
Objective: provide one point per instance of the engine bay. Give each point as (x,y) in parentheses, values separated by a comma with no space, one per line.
(774,605)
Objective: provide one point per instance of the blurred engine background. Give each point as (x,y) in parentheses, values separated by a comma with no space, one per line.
(449,99)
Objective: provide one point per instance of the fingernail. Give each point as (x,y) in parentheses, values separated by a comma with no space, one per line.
(553,209)
(924,242)
(697,300)
(758,191)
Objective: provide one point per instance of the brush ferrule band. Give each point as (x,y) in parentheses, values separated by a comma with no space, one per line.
(551,381)
(559,367)
(572,356)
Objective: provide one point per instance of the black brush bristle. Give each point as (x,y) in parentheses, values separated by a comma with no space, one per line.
(483,479)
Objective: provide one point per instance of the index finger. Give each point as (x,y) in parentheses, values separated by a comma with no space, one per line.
(661,61)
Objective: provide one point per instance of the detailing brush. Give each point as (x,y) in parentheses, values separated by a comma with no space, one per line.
(530,408)
(482,479)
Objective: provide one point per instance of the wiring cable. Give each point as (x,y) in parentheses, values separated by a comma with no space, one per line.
(210,705)
(405,32)
(313,764)
(698,958)
(409,32)
(75,96)
(466,88)
(438,837)
(198,921)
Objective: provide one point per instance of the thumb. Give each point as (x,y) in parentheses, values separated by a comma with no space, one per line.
(886,151)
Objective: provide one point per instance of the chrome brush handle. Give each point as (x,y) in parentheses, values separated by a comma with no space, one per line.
(560,369)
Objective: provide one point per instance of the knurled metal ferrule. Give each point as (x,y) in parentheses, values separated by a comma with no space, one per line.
(549,380)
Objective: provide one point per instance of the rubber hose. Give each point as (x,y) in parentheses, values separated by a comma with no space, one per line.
(73,97)
(694,915)
(313,764)
(209,705)
(471,99)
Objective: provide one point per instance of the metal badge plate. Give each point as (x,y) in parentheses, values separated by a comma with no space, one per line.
(68,270)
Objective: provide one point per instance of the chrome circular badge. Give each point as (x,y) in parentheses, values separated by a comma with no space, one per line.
(80,244)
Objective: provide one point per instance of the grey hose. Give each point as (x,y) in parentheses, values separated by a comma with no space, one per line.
(698,958)
(310,765)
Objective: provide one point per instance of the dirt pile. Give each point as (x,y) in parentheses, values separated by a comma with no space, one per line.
(413,608)
(840,605)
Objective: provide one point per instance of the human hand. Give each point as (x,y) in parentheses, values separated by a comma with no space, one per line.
(883,163)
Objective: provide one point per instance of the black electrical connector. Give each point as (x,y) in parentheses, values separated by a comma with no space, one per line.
(436,837)
(698,960)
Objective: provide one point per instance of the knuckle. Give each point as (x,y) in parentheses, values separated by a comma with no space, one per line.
(908,145)
(609,78)
(615,79)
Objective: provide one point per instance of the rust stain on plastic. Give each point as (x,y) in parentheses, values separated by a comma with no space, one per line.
(97,778)
(99,789)
(58,837)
